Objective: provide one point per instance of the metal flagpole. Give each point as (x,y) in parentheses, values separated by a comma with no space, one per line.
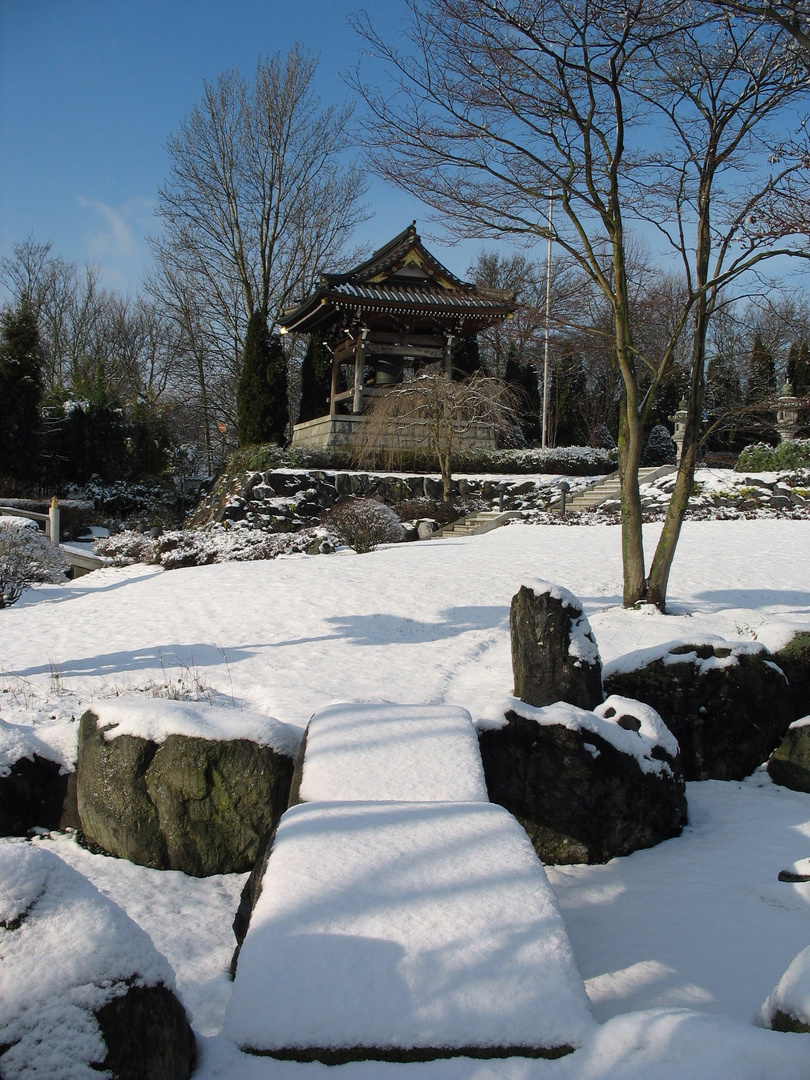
(548,319)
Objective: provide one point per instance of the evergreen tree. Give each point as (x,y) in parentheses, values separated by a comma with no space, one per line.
(660,448)
(261,399)
(568,389)
(761,373)
(20,393)
(792,360)
(522,379)
(801,376)
(724,395)
(316,380)
(466,358)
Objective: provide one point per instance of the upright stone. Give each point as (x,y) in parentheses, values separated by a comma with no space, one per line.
(554,653)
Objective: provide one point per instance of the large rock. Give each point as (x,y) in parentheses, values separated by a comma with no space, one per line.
(789,764)
(84,989)
(554,653)
(789,645)
(587,786)
(36,793)
(726,703)
(171,785)
(787,1008)
(37,777)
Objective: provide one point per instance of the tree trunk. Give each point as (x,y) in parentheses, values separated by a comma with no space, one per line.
(676,511)
(635,583)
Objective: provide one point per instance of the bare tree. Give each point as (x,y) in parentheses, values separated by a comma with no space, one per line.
(791,16)
(431,408)
(499,101)
(259,197)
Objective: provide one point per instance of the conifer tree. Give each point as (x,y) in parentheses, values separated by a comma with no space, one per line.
(792,359)
(316,380)
(262,408)
(762,373)
(466,359)
(568,390)
(801,375)
(20,393)
(522,380)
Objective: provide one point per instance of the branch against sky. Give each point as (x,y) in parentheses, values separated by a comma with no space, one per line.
(259,197)
(494,102)
(791,16)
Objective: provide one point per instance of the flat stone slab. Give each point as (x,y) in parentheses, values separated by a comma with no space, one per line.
(405,931)
(409,753)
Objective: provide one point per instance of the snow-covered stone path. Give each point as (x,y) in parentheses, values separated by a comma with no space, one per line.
(403,930)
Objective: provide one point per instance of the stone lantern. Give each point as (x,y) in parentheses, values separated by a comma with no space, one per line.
(678,418)
(787,414)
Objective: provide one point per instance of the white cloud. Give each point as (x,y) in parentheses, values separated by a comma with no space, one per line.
(116,238)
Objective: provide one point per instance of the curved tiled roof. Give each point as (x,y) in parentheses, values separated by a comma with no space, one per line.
(425,287)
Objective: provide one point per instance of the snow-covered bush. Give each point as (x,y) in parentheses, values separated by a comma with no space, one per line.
(760,457)
(26,557)
(565,460)
(179,548)
(124,548)
(363,524)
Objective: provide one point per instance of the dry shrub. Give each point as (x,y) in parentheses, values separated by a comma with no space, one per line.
(363,524)
(26,558)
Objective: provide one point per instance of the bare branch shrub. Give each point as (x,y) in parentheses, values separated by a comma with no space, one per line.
(26,557)
(438,412)
(363,524)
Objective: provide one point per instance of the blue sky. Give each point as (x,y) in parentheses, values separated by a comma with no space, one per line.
(91,89)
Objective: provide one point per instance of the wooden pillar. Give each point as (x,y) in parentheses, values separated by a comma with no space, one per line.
(359,368)
(448,354)
(335,384)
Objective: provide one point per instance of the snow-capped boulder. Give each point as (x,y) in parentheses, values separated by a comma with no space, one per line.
(84,989)
(787,1008)
(789,644)
(727,703)
(554,653)
(789,764)
(179,785)
(586,786)
(37,777)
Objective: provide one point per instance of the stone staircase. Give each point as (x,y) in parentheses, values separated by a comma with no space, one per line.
(606,489)
(482,521)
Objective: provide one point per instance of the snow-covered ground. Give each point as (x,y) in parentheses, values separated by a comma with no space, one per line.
(679,946)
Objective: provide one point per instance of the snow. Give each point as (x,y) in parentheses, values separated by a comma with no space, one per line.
(779,633)
(679,945)
(188,919)
(67,950)
(792,994)
(667,653)
(392,752)
(603,721)
(157,718)
(405,925)
(54,741)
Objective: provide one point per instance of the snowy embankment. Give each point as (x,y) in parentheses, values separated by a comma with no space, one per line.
(700,923)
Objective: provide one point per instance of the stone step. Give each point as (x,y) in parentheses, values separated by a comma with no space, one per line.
(482,521)
(405,931)
(418,753)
